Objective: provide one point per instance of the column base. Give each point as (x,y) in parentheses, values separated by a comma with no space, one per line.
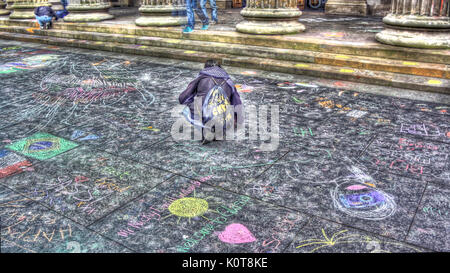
(160,21)
(346,7)
(270,21)
(22,14)
(161,16)
(267,27)
(4,12)
(414,38)
(56,6)
(88,17)
(417,21)
(86,13)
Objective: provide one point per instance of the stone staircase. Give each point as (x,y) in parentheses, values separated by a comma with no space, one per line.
(372,63)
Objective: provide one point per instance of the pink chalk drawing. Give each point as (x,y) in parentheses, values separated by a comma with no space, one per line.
(236,234)
(356,187)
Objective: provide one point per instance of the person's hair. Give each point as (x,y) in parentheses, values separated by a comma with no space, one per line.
(211,63)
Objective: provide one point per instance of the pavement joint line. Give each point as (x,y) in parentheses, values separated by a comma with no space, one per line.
(42,204)
(417,209)
(129,202)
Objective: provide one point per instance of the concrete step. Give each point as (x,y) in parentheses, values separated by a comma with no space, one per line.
(368,63)
(296,42)
(431,84)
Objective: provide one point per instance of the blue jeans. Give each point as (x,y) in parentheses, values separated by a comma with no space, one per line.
(191,5)
(43,19)
(212,4)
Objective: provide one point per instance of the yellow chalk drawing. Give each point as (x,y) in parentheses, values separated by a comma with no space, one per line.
(188,207)
(326,104)
(434,82)
(343,57)
(341,238)
(302,65)
(190,51)
(173,41)
(150,128)
(347,70)
(409,63)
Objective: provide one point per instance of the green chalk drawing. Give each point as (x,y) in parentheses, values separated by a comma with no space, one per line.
(42,146)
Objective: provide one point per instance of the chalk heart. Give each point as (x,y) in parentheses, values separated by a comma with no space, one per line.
(236,234)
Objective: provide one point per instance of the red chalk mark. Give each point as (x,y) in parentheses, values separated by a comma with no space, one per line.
(16,168)
(80,179)
(339,84)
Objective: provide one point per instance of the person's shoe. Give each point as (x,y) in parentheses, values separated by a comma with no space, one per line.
(187,30)
(42,27)
(205,27)
(214,22)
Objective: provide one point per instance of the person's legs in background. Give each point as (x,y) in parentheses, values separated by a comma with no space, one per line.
(190,16)
(202,14)
(212,4)
(204,11)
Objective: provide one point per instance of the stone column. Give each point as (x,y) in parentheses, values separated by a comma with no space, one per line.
(24,9)
(3,10)
(88,11)
(417,23)
(346,7)
(270,17)
(162,13)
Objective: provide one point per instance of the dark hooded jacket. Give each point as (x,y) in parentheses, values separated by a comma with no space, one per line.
(44,11)
(204,83)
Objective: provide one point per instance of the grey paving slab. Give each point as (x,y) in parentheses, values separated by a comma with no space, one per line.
(85,185)
(431,223)
(183,215)
(321,236)
(28,227)
(348,194)
(409,156)
(121,136)
(192,159)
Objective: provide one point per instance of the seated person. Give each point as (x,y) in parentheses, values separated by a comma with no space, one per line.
(44,16)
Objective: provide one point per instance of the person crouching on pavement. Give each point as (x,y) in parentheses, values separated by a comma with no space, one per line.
(44,16)
(216,91)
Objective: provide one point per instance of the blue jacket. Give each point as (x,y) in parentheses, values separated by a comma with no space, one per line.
(44,11)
